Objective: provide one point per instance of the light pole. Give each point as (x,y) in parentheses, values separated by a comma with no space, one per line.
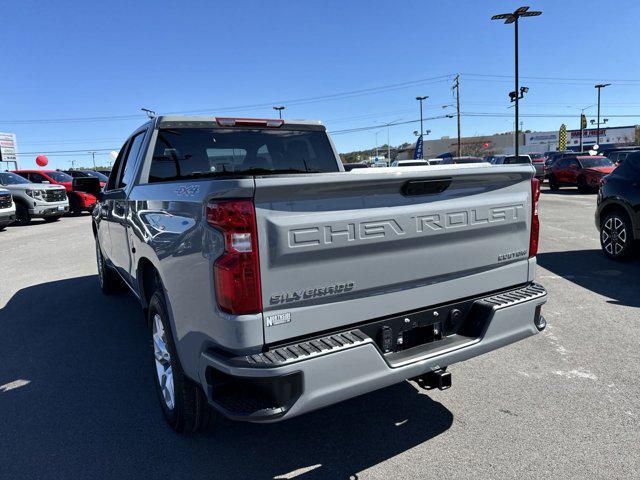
(388,124)
(582,125)
(279,109)
(376,135)
(513,18)
(600,86)
(93,157)
(420,99)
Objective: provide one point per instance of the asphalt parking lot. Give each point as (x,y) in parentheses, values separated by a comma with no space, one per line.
(77,398)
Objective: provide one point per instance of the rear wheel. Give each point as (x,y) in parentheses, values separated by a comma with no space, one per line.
(183,403)
(108,279)
(616,235)
(23,217)
(582,185)
(553,183)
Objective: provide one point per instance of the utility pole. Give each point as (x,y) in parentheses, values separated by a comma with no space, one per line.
(457,87)
(513,18)
(279,109)
(600,86)
(93,157)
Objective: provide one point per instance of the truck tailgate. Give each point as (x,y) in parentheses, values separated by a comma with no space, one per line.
(341,248)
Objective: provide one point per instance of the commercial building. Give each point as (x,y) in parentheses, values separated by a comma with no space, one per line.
(502,144)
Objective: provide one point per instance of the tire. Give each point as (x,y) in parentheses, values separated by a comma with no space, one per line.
(74,206)
(554,186)
(51,219)
(23,217)
(109,280)
(582,185)
(183,403)
(616,235)
(2,227)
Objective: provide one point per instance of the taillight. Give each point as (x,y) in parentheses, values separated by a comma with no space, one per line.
(535,220)
(249,122)
(237,271)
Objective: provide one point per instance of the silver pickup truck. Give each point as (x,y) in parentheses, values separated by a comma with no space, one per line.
(274,283)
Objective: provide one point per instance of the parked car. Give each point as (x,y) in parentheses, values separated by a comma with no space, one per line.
(555,156)
(88,174)
(35,201)
(512,160)
(618,211)
(7,208)
(106,173)
(584,172)
(350,166)
(273,287)
(79,198)
(410,163)
(493,159)
(610,150)
(619,156)
(538,161)
(461,160)
(435,161)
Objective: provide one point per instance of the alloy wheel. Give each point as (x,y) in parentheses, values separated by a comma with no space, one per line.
(614,236)
(162,356)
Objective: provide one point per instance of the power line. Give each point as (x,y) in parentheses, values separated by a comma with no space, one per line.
(373,127)
(298,101)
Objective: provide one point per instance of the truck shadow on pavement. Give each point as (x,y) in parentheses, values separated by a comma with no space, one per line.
(77,400)
(592,270)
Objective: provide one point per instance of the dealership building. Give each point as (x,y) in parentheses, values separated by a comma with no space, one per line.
(502,144)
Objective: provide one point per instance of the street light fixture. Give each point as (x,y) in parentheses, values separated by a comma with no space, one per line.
(279,109)
(599,87)
(513,18)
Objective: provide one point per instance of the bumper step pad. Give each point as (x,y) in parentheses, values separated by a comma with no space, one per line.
(305,350)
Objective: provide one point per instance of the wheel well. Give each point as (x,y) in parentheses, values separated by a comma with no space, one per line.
(148,280)
(616,208)
(21,201)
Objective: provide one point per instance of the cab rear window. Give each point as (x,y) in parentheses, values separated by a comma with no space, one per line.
(183,153)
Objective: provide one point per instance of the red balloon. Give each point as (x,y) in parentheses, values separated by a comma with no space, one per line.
(486,145)
(42,161)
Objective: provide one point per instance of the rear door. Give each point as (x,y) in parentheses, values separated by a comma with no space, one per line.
(117,200)
(338,249)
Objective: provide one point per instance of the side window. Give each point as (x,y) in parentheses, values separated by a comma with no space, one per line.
(561,163)
(36,177)
(129,163)
(113,176)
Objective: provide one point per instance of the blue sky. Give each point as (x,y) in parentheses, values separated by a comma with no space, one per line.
(74,61)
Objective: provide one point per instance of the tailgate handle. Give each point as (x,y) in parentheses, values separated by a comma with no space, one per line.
(426,187)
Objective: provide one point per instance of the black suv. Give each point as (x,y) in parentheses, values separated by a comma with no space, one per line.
(618,212)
